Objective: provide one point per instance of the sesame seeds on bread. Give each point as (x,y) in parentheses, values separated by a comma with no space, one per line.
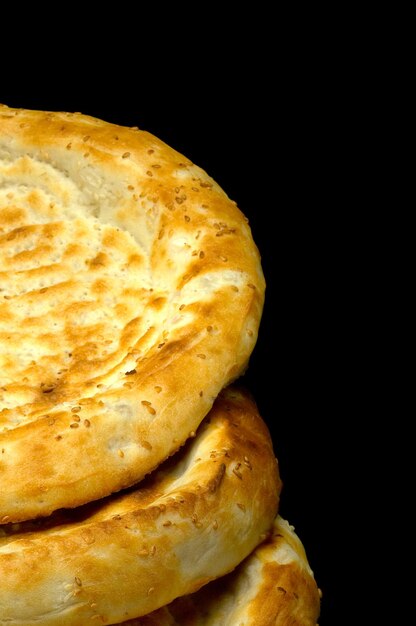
(273,586)
(131,293)
(193,520)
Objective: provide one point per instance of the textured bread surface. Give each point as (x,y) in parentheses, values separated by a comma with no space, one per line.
(274,586)
(194,519)
(131,293)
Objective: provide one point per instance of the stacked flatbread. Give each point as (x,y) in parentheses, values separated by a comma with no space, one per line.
(132,474)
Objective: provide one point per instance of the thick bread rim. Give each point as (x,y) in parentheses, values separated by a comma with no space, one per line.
(273,586)
(83,436)
(193,520)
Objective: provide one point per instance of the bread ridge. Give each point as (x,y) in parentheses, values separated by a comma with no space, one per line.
(92,212)
(192,520)
(273,586)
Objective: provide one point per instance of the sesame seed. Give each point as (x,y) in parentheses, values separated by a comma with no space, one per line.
(74,425)
(215,524)
(121,454)
(158,388)
(247,463)
(201,356)
(87,423)
(150,590)
(151,410)
(125,155)
(78,581)
(241,506)
(201,254)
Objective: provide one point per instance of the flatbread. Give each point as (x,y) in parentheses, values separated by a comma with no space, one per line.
(274,586)
(131,293)
(193,520)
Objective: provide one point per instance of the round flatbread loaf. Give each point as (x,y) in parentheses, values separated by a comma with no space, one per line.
(274,586)
(194,519)
(131,293)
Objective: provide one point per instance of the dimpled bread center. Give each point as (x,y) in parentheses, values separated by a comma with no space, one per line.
(74,293)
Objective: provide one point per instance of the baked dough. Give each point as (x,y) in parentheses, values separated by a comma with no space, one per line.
(274,586)
(194,519)
(131,293)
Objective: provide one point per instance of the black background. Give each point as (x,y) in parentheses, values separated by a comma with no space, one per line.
(266,154)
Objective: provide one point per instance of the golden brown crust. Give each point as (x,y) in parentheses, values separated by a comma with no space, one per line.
(274,586)
(131,292)
(192,520)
